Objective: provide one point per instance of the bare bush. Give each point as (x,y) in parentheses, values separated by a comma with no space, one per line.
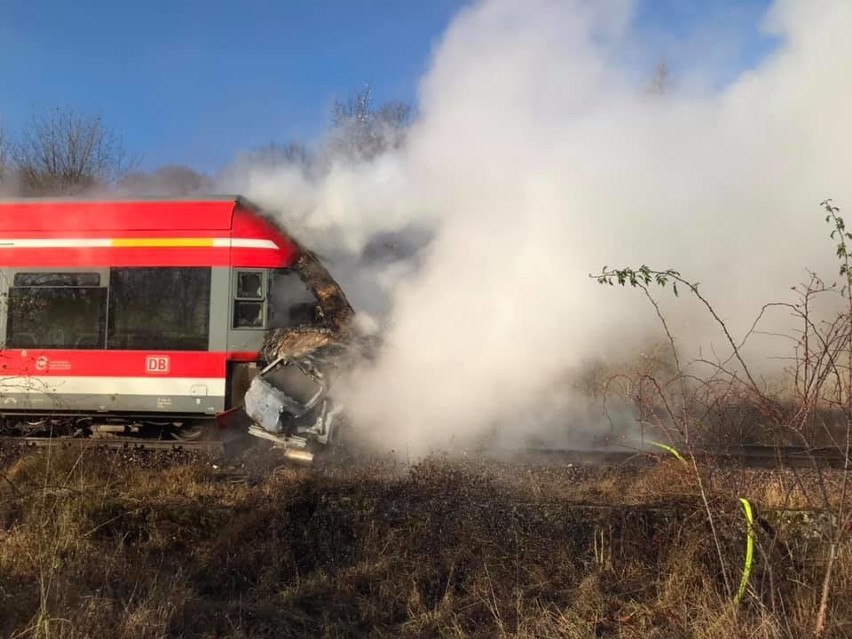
(813,411)
(65,152)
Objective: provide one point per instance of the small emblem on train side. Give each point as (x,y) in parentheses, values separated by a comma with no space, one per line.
(157,364)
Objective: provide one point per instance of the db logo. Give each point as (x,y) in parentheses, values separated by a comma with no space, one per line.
(157,364)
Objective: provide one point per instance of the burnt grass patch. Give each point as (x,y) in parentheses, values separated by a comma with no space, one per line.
(90,547)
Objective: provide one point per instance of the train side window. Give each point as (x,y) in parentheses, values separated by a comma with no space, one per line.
(56,310)
(249,300)
(159,308)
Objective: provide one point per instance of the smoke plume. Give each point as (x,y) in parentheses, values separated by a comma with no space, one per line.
(538,156)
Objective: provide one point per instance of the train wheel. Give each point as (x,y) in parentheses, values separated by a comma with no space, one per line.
(189,432)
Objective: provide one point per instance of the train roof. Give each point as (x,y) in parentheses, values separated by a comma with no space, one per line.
(211,213)
(224,230)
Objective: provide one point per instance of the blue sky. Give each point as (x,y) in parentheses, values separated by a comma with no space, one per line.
(192,82)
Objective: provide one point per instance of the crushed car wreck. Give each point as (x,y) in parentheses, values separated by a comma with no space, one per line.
(289,402)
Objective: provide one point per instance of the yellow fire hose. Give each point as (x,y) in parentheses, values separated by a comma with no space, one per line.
(749,515)
(749,556)
(670,449)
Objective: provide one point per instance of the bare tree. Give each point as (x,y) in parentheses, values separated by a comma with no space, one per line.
(172,180)
(65,152)
(291,153)
(362,131)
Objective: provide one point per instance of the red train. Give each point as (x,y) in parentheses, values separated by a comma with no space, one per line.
(147,309)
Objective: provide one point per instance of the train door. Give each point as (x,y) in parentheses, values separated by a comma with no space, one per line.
(245,312)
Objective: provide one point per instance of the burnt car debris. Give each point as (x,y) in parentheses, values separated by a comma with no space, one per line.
(289,402)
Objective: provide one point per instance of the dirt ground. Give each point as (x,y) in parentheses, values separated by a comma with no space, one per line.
(96,544)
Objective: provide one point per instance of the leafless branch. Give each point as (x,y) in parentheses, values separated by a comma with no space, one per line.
(65,152)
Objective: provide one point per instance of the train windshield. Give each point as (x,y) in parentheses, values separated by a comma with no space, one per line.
(291,302)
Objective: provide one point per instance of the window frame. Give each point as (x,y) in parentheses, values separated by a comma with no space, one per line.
(236,300)
(10,285)
(113,314)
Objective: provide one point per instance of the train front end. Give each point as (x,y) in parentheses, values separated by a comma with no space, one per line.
(300,321)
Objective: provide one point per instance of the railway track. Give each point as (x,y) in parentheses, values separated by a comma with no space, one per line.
(750,456)
(127,443)
(208,448)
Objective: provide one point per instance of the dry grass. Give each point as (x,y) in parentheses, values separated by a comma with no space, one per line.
(91,547)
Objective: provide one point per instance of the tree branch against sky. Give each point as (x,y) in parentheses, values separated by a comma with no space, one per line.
(64,151)
(363,131)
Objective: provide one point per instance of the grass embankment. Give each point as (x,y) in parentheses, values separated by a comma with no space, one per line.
(92,547)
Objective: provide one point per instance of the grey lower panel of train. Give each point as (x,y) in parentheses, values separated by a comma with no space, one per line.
(172,405)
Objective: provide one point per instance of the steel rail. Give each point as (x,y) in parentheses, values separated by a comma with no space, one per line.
(127,443)
(747,455)
(752,456)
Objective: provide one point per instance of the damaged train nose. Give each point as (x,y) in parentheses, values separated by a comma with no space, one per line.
(288,401)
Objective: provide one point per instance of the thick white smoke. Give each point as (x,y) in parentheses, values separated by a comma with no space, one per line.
(538,158)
